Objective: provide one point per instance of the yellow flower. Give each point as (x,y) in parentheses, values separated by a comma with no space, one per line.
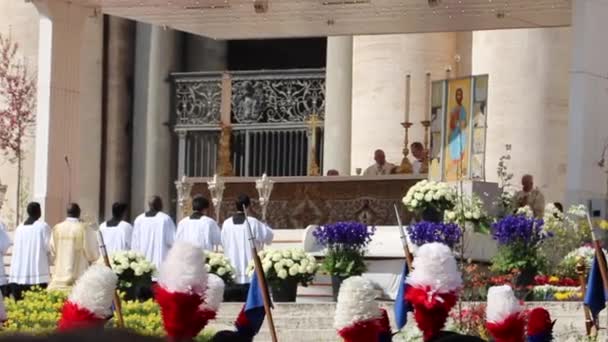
(603,224)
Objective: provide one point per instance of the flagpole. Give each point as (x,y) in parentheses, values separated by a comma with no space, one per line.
(261,279)
(581,270)
(601,258)
(406,250)
(106,260)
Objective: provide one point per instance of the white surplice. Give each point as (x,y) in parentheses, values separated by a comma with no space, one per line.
(5,243)
(30,263)
(203,232)
(235,241)
(117,238)
(153,237)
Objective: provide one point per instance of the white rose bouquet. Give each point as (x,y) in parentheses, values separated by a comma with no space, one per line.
(287,264)
(429,194)
(219,264)
(133,271)
(469,209)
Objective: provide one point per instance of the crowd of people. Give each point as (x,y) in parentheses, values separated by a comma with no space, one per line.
(72,245)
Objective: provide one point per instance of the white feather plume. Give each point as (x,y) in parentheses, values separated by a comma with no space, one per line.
(94,290)
(184,270)
(214,294)
(501,303)
(435,266)
(356,302)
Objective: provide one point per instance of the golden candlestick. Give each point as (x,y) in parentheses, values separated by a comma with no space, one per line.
(313,169)
(424,167)
(406,165)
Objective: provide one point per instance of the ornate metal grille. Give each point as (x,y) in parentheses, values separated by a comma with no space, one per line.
(269,112)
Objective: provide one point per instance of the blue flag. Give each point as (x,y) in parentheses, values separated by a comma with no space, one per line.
(402,306)
(595,297)
(250,320)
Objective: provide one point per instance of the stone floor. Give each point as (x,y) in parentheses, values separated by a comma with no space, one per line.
(308,322)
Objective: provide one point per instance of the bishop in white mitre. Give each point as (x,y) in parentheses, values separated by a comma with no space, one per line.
(31,253)
(153,233)
(74,248)
(5,243)
(116,231)
(199,229)
(236,243)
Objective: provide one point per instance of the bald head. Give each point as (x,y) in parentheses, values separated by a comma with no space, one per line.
(527,182)
(155,204)
(379,157)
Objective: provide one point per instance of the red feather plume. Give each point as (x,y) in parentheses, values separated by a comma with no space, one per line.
(75,317)
(539,321)
(182,317)
(430,311)
(509,330)
(362,331)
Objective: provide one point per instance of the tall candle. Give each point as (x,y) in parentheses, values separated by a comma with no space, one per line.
(407,98)
(427,95)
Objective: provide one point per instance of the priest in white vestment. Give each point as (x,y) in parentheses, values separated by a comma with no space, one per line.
(237,248)
(199,229)
(30,262)
(381,167)
(5,243)
(116,231)
(153,233)
(74,248)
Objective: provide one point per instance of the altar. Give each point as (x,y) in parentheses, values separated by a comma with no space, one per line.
(297,202)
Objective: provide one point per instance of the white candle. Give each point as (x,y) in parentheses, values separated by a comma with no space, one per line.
(407,98)
(427,100)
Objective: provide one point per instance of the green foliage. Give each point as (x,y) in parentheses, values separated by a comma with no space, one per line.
(344,262)
(516,256)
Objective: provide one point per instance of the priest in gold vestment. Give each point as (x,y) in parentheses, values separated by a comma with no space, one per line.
(73,247)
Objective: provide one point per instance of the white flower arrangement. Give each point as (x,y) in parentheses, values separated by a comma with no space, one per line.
(282,265)
(426,194)
(526,211)
(470,209)
(131,267)
(220,265)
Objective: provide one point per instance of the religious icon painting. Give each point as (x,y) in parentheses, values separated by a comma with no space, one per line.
(457,124)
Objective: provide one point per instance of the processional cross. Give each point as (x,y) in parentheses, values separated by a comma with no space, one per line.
(313,121)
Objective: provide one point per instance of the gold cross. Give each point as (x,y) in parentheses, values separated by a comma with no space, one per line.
(313,120)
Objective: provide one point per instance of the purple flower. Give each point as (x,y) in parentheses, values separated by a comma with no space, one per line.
(352,235)
(519,229)
(426,232)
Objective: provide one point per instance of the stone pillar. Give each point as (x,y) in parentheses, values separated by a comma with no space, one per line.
(380,65)
(527,103)
(158,52)
(68,124)
(338,100)
(118,112)
(587,130)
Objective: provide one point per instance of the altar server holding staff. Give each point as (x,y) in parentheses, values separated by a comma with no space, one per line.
(199,229)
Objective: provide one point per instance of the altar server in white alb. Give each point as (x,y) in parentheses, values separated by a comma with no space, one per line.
(235,241)
(153,233)
(199,229)
(5,243)
(116,231)
(30,263)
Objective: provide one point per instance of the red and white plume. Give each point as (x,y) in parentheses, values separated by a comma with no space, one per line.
(214,295)
(181,291)
(358,317)
(505,319)
(90,303)
(433,287)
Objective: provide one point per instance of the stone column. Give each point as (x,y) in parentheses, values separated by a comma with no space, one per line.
(587,130)
(158,52)
(68,124)
(118,112)
(338,100)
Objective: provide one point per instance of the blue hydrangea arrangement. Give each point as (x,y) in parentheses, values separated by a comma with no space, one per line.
(425,232)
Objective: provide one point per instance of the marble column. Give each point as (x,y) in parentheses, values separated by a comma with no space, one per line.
(527,103)
(158,53)
(338,101)
(120,55)
(587,131)
(68,123)
(380,66)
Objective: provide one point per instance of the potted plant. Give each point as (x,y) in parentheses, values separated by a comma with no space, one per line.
(218,264)
(344,244)
(519,238)
(134,273)
(426,232)
(469,211)
(285,270)
(429,199)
